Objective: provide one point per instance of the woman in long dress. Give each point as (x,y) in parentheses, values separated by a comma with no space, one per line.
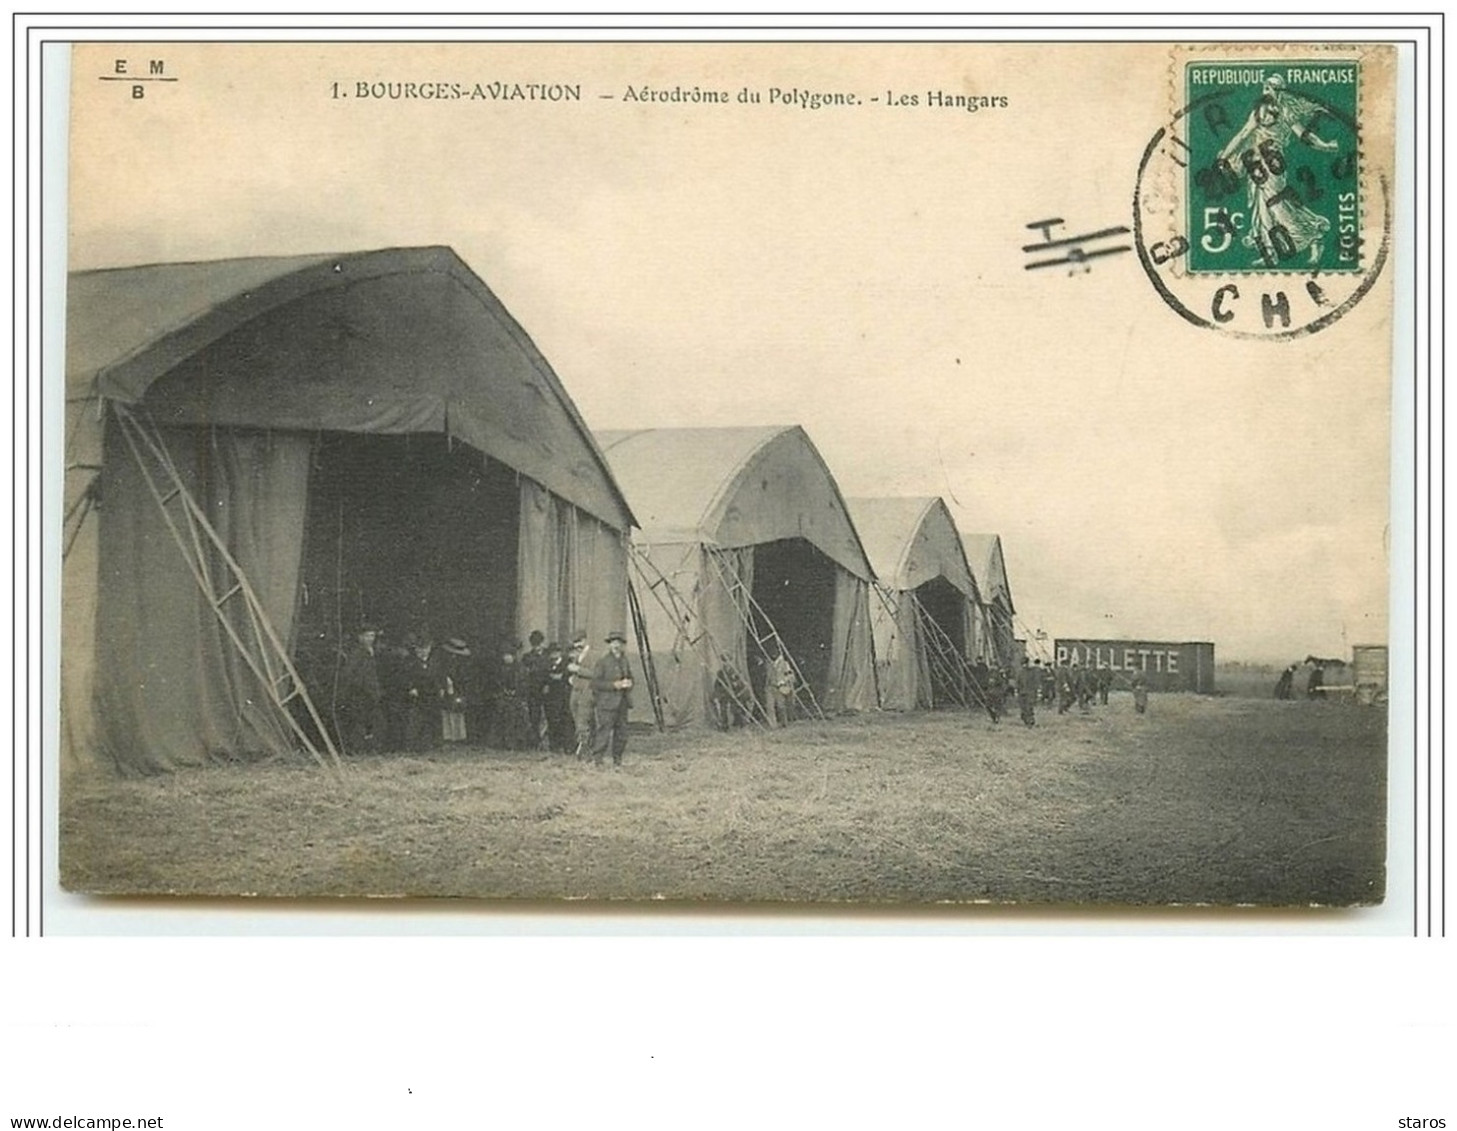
(1280,226)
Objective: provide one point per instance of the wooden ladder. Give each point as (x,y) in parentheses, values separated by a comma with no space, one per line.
(261,649)
(692,632)
(753,616)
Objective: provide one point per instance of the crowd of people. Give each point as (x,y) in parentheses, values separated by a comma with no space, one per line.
(420,694)
(1035,682)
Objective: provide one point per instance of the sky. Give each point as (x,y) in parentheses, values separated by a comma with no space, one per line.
(857,270)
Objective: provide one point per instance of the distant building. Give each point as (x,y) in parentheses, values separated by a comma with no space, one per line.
(1369,662)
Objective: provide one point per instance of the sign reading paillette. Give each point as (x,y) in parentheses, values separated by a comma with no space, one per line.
(1167,667)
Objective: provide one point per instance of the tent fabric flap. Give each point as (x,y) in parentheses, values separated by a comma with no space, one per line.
(852,674)
(695,623)
(572,570)
(83,454)
(903,670)
(171,688)
(667,579)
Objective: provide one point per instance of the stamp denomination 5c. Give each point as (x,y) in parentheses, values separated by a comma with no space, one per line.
(1255,212)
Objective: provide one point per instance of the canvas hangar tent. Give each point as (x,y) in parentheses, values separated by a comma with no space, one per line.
(989,567)
(927,615)
(300,443)
(745,541)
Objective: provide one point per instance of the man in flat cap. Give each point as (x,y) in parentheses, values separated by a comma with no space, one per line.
(611,699)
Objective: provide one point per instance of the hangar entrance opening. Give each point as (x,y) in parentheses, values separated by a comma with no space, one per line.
(794,584)
(943,604)
(416,533)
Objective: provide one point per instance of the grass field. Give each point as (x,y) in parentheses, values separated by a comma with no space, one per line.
(1202,800)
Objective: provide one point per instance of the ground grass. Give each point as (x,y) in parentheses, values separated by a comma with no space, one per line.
(1202,800)
(1247,681)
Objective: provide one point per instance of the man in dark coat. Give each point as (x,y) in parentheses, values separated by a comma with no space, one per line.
(534,674)
(561,732)
(1083,688)
(1139,683)
(1029,684)
(733,701)
(611,699)
(358,704)
(983,695)
(1048,688)
(1065,692)
(418,695)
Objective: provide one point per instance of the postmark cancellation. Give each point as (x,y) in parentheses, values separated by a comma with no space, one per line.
(1262,208)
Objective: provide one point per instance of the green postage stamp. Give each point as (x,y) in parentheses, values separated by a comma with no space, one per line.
(1273,176)
(1262,207)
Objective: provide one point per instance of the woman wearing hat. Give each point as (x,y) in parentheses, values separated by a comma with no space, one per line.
(611,700)
(455,681)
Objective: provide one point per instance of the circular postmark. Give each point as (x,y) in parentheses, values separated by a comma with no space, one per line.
(1252,213)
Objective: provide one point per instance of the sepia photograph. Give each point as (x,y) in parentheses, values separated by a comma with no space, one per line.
(811,474)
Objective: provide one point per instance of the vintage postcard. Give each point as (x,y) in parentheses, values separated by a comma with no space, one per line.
(873,473)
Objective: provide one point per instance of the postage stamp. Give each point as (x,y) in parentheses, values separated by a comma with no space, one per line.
(1256,213)
(1273,166)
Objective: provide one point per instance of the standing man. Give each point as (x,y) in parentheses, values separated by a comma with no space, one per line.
(1083,688)
(420,695)
(1140,692)
(580,673)
(358,707)
(733,701)
(1064,688)
(534,671)
(779,689)
(611,700)
(983,693)
(1029,684)
(559,726)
